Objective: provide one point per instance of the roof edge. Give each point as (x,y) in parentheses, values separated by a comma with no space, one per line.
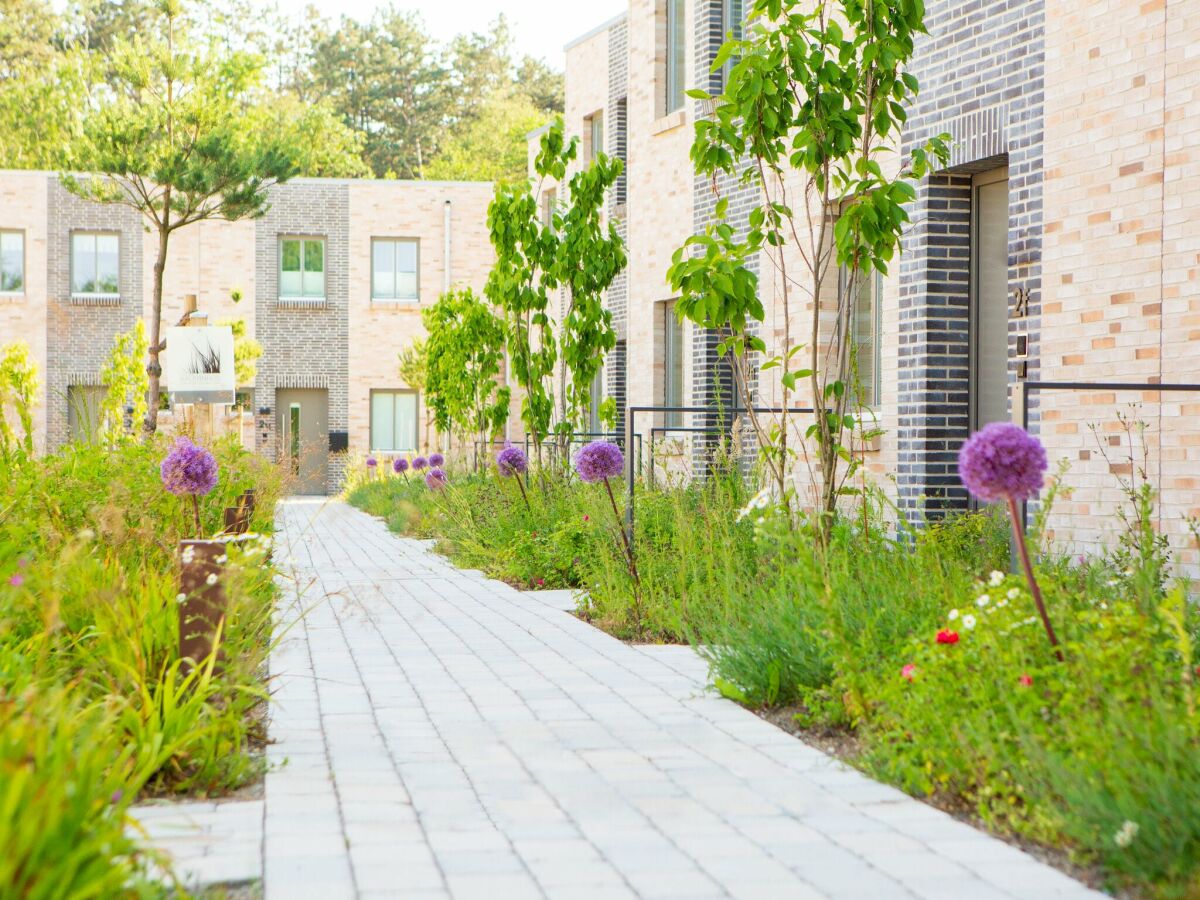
(587,35)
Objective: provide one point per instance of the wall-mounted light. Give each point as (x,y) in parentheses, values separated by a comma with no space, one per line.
(264,410)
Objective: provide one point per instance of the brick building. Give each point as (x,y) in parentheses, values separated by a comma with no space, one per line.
(331,282)
(1061,244)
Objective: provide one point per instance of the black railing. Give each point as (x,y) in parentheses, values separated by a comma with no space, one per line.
(1034,387)
(726,417)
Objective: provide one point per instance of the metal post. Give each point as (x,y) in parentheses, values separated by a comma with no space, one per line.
(630,412)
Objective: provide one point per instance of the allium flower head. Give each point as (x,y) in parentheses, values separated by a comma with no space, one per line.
(512,461)
(372,462)
(437,460)
(399,465)
(599,460)
(188,470)
(419,463)
(1002,461)
(435,479)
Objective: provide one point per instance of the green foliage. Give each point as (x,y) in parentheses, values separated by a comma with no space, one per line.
(245,351)
(18,390)
(537,256)
(464,353)
(95,708)
(489,146)
(814,94)
(124,376)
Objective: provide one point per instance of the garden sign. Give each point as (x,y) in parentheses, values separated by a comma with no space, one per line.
(200,364)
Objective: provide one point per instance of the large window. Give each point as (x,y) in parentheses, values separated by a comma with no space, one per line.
(596,398)
(12,262)
(595,133)
(302,268)
(672,364)
(733,18)
(95,263)
(865,322)
(394,269)
(676,58)
(393,420)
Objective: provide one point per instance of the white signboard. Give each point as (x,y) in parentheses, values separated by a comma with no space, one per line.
(200,364)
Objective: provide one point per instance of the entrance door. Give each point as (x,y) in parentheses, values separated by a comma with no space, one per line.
(989,299)
(302,423)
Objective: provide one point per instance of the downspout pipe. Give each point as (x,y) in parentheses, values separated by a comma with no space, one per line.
(446,272)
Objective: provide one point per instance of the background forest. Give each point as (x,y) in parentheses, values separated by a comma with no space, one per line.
(380,98)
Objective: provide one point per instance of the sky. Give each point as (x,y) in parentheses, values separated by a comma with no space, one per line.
(540,27)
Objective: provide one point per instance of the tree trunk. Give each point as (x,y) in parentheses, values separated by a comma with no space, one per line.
(153,368)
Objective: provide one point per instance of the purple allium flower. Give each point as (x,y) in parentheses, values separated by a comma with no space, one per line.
(399,465)
(435,480)
(372,462)
(188,470)
(512,461)
(437,460)
(599,460)
(419,463)
(1002,461)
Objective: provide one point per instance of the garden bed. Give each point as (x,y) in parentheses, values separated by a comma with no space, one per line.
(920,660)
(97,708)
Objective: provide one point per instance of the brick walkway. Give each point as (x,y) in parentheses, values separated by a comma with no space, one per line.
(446,735)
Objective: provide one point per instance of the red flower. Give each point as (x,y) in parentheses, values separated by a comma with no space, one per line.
(908,672)
(1026,680)
(946,636)
(541,581)
(585,518)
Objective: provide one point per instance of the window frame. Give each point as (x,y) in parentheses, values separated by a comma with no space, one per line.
(595,127)
(674,94)
(94,234)
(732,28)
(395,298)
(872,393)
(24,262)
(673,344)
(304,239)
(416,434)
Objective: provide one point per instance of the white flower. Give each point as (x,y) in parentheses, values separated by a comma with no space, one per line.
(953,615)
(1128,831)
(1002,602)
(211,579)
(181,598)
(761,500)
(86,534)
(968,622)
(983,601)
(996,579)
(1014,593)
(222,558)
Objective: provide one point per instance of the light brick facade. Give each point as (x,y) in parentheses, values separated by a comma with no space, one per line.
(1095,113)
(347,344)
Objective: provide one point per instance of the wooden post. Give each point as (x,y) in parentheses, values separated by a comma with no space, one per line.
(202,603)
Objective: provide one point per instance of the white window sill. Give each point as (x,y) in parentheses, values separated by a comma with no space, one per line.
(95,299)
(301,302)
(395,301)
(669,121)
(11,296)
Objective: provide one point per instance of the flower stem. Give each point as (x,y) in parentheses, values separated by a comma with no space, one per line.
(196,512)
(1023,551)
(633,572)
(524,496)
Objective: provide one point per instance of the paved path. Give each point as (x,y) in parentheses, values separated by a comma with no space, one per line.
(446,735)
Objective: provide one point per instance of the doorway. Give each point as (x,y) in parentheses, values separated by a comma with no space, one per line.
(989,298)
(302,424)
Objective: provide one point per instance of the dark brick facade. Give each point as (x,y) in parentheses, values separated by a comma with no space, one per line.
(616,298)
(980,70)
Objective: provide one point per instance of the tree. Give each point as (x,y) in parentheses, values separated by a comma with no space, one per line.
(536,257)
(245,351)
(413,369)
(815,93)
(180,141)
(124,378)
(18,387)
(492,145)
(464,356)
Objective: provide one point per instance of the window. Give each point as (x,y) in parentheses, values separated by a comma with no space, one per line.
(302,268)
(733,18)
(393,420)
(549,202)
(595,426)
(595,133)
(865,328)
(95,263)
(394,269)
(672,364)
(676,62)
(12,262)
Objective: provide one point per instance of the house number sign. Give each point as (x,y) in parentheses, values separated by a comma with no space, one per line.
(1020,303)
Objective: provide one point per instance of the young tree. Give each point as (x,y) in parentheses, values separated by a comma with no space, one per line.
(815,95)
(124,377)
(179,138)
(18,390)
(540,252)
(413,369)
(464,355)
